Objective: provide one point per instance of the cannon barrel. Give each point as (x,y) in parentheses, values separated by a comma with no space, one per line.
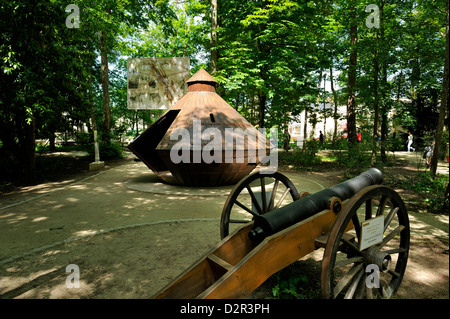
(277,220)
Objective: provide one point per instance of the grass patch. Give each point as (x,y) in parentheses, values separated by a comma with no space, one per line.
(300,280)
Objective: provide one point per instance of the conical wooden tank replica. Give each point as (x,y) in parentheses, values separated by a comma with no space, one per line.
(201,140)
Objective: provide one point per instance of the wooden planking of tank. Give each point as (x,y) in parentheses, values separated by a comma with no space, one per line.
(201,140)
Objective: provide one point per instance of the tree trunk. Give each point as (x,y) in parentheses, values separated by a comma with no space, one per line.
(305,128)
(262,108)
(376,105)
(335,99)
(91,94)
(105,87)
(186,30)
(29,148)
(384,113)
(399,86)
(385,92)
(262,96)
(316,104)
(52,139)
(351,87)
(444,103)
(214,51)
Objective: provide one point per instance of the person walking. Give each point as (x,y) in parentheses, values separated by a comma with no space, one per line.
(428,154)
(410,141)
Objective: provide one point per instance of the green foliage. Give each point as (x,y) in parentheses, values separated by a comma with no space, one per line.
(107,151)
(266,57)
(356,159)
(338,144)
(432,189)
(297,281)
(84,138)
(445,145)
(396,143)
(303,158)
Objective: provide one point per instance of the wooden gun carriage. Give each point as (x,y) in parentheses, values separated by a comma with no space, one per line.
(362,225)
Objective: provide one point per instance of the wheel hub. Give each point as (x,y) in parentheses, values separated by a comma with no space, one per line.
(383,260)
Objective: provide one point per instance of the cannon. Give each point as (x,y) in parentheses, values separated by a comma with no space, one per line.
(309,205)
(266,225)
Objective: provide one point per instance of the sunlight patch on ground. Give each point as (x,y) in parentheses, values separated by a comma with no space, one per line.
(17,219)
(85,232)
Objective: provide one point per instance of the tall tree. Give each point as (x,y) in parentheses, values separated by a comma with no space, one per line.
(352,67)
(376,104)
(385,98)
(102,37)
(214,43)
(335,104)
(444,101)
(43,73)
(268,49)
(115,19)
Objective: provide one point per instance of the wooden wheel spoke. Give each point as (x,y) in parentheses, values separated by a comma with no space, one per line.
(348,261)
(263,195)
(362,288)
(392,234)
(282,198)
(245,208)
(357,226)
(395,251)
(382,205)
(389,217)
(240,221)
(351,245)
(369,294)
(346,279)
(272,198)
(369,209)
(254,200)
(393,273)
(354,285)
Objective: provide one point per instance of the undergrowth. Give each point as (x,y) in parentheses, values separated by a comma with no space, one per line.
(431,190)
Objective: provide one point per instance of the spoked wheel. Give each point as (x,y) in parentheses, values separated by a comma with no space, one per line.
(254,195)
(375,271)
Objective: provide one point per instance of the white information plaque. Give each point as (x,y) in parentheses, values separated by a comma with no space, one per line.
(371,232)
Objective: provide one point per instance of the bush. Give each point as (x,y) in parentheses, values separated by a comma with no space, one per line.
(305,157)
(338,144)
(301,158)
(107,151)
(84,138)
(434,190)
(357,159)
(297,281)
(396,144)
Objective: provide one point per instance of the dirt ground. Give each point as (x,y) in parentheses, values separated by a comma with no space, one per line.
(129,243)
